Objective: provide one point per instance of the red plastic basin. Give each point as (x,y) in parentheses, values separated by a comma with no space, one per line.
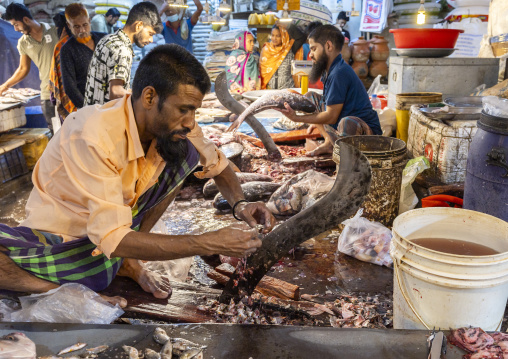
(425,38)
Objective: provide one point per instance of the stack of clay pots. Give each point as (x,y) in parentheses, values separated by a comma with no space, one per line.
(361,54)
(379,55)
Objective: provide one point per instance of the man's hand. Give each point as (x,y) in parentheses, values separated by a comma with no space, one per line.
(231,241)
(311,129)
(255,213)
(288,112)
(3,88)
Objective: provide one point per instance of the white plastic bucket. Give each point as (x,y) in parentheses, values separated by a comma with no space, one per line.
(433,289)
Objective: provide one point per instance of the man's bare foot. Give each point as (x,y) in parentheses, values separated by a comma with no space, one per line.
(325,148)
(151,282)
(122,302)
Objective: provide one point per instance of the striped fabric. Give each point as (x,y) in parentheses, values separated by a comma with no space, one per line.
(64,104)
(45,256)
(310,11)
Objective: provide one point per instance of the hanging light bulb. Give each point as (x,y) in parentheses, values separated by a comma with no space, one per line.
(285,13)
(205,18)
(420,18)
(217,19)
(224,6)
(177,3)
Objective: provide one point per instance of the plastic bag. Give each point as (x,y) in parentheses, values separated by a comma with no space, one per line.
(175,269)
(495,106)
(69,303)
(365,240)
(377,88)
(300,192)
(387,120)
(414,167)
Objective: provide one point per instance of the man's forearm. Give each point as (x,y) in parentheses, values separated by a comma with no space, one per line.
(229,186)
(17,77)
(320,118)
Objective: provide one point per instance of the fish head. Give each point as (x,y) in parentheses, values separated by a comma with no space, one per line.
(16,345)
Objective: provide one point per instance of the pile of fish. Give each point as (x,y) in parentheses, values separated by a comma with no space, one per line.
(360,312)
(13,95)
(16,345)
(87,354)
(480,345)
(171,348)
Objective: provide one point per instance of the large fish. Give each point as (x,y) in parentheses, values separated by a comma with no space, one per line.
(210,189)
(253,191)
(16,346)
(276,99)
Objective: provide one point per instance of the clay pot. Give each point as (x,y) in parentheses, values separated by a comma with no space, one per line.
(380,50)
(346,51)
(378,68)
(361,69)
(361,51)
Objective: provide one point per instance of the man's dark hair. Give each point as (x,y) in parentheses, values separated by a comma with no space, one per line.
(325,33)
(147,13)
(113,12)
(61,23)
(342,16)
(17,12)
(312,26)
(166,67)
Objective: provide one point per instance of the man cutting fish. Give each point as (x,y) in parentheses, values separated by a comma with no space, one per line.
(345,104)
(109,174)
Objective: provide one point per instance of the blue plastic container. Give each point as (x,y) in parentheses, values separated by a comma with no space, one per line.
(486,185)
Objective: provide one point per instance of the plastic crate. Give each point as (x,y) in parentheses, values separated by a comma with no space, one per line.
(12,161)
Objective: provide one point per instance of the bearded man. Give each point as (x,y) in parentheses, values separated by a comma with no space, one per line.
(37,44)
(76,54)
(344,108)
(109,72)
(107,177)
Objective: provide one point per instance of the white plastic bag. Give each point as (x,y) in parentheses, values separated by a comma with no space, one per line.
(495,106)
(377,88)
(365,240)
(300,192)
(69,303)
(414,167)
(176,269)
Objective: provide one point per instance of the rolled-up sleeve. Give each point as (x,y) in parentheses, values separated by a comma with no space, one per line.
(98,181)
(211,158)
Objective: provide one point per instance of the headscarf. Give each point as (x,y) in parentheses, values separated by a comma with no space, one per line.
(242,67)
(272,57)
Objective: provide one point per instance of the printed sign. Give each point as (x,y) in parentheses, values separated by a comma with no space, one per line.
(374,15)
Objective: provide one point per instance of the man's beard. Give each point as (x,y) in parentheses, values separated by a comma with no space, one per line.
(172,151)
(26,29)
(137,40)
(84,39)
(318,68)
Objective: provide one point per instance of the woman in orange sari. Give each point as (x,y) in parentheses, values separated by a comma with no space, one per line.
(275,60)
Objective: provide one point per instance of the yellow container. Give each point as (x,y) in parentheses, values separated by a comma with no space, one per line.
(403,104)
(304,84)
(36,140)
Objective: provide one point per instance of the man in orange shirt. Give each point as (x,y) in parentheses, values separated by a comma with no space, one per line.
(109,174)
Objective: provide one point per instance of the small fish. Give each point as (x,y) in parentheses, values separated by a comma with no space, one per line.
(72,348)
(167,350)
(276,99)
(193,353)
(152,354)
(160,336)
(131,351)
(97,350)
(210,189)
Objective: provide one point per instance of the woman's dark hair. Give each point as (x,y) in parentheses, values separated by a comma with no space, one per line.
(113,12)
(147,13)
(166,67)
(17,12)
(325,33)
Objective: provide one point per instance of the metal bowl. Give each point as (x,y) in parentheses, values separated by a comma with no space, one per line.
(453,113)
(465,101)
(424,52)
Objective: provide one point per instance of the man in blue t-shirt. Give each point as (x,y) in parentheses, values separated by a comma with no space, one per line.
(345,104)
(177,29)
